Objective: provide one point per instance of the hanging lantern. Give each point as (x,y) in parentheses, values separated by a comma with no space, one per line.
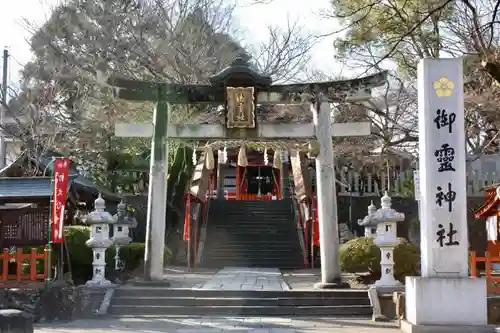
(194,156)
(224,153)
(209,158)
(277,163)
(285,157)
(313,149)
(242,157)
(220,156)
(266,158)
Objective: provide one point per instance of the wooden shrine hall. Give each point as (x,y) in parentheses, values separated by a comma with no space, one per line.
(250,174)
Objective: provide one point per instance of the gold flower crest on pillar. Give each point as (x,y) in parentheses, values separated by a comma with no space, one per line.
(443,87)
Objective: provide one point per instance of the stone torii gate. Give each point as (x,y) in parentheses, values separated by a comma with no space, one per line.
(240,88)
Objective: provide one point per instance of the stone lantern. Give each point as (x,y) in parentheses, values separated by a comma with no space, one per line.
(121,231)
(367,222)
(99,241)
(386,239)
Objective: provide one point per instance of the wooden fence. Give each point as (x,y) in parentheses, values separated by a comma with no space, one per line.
(400,184)
(371,184)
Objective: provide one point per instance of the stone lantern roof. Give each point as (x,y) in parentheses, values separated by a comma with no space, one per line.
(386,213)
(368,221)
(99,215)
(123,218)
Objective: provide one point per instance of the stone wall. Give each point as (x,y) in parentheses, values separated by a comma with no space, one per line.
(59,303)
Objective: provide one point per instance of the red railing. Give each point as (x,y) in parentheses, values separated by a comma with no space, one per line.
(210,194)
(493,281)
(22,261)
(252,196)
(303,226)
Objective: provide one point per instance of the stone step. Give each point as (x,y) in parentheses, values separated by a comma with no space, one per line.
(266,210)
(237,302)
(244,244)
(253,220)
(276,262)
(262,235)
(257,250)
(350,310)
(255,209)
(218,264)
(246,247)
(242,247)
(251,233)
(251,226)
(251,254)
(158,291)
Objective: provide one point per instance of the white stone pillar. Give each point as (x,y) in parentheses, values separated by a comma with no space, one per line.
(445,295)
(327,200)
(157,196)
(99,241)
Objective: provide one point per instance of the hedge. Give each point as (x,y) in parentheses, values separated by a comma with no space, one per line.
(361,255)
(81,255)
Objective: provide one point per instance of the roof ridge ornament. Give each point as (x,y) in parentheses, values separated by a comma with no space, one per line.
(240,70)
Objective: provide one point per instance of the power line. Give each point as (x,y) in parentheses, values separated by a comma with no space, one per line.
(2,108)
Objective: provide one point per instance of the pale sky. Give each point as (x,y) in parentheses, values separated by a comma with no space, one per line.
(250,17)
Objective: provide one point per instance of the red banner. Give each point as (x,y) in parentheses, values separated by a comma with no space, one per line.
(187,218)
(315,222)
(315,232)
(60,190)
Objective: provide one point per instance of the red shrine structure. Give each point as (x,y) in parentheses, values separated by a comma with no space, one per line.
(256,181)
(490,211)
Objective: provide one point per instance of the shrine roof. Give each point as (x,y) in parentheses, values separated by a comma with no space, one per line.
(25,187)
(491,187)
(45,166)
(489,208)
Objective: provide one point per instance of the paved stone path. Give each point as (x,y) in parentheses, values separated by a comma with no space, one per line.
(219,325)
(241,278)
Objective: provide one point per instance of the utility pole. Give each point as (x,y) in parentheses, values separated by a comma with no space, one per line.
(3,148)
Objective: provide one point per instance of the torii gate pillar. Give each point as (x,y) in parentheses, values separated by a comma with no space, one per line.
(327,200)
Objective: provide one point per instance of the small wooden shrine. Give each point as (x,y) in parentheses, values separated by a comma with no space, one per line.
(490,211)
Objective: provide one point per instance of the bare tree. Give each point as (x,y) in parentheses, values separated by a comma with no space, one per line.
(30,125)
(175,41)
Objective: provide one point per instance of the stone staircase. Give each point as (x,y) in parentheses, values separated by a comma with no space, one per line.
(251,233)
(162,301)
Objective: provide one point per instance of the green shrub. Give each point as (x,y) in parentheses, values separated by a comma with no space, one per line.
(133,255)
(361,255)
(81,255)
